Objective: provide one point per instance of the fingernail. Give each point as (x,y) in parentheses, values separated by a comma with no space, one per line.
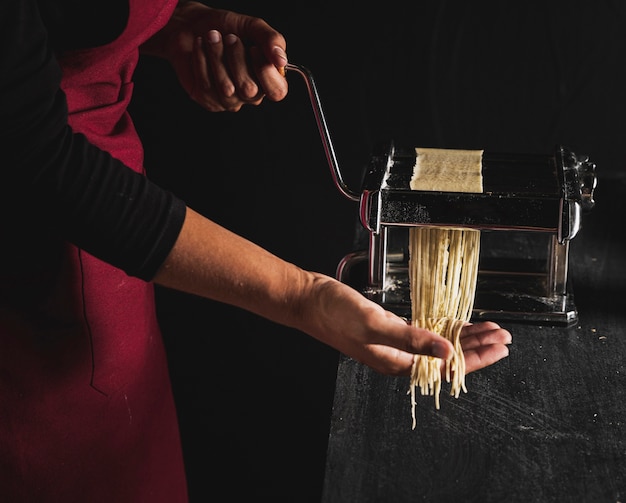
(281,54)
(213,36)
(230,39)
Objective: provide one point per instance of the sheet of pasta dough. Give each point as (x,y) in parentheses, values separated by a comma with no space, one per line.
(448,170)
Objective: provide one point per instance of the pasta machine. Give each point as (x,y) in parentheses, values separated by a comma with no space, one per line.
(530,209)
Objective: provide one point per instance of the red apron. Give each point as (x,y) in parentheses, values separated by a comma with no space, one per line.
(86,407)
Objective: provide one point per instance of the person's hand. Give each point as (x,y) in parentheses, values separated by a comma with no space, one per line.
(344,319)
(223,59)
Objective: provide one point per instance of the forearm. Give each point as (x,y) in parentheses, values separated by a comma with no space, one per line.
(212,262)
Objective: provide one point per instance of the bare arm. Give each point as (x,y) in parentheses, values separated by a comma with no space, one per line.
(212,262)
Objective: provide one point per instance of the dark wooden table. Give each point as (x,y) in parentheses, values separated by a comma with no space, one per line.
(547,424)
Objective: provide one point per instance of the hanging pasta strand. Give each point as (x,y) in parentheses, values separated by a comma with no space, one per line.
(443,268)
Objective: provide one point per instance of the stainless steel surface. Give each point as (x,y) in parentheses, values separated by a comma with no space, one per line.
(546,193)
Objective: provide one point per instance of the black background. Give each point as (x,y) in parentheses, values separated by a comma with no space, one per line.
(255,398)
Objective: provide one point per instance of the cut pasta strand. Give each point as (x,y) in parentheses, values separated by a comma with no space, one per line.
(443,272)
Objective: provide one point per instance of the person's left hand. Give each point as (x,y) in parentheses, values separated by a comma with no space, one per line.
(223,59)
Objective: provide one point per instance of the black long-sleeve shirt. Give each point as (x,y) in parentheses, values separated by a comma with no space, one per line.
(53,182)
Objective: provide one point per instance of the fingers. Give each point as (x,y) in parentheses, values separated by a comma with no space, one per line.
(386,360)
(212,66)
(270,77)
(271,41)
(412,339)
(228,76)
(278,57)
(218,72)
(396,343)
(483,334)
(246,88)
(483,356)
(484,343)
